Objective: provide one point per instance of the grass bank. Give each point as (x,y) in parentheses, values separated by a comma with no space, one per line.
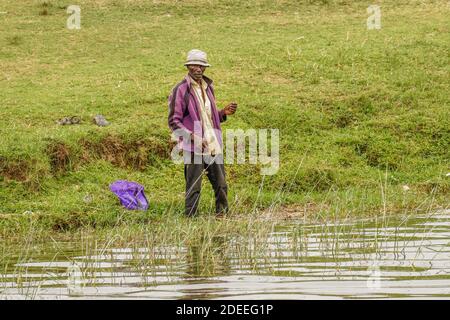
(363,114)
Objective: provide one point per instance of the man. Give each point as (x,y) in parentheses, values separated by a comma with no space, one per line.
(194,118)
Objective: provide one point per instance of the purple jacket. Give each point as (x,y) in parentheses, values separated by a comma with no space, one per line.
(184,111)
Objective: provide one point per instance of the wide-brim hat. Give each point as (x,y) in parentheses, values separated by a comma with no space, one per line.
(198,57)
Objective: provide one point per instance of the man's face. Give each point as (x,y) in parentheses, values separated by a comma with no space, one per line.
(196,71)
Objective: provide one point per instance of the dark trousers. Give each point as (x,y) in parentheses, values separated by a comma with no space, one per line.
(193,173)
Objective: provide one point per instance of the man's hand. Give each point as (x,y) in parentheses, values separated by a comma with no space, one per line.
(230,108)
(204,142)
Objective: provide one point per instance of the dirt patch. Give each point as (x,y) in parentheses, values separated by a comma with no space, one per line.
(59,154)
(136,154)
(14,169)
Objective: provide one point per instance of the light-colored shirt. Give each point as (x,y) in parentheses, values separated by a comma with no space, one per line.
(206,117)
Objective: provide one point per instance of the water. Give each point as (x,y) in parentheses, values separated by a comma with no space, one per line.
(408,257)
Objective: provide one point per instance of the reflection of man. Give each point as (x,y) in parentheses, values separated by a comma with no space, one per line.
(194,116)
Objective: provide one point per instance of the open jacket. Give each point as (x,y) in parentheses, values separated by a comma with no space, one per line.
(184,112)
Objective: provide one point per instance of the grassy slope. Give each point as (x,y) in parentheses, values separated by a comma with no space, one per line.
(358,110)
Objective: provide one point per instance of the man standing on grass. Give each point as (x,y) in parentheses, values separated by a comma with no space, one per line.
(194,118)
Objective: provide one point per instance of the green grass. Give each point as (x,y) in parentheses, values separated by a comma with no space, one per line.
(366,110)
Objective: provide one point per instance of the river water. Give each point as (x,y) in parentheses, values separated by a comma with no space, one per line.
(405,257)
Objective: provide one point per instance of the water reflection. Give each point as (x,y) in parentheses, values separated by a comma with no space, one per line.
(408,257)
(208,258)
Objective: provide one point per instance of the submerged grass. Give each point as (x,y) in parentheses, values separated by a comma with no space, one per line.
(361,113)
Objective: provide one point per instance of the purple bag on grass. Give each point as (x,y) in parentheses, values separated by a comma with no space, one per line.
(131,194)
